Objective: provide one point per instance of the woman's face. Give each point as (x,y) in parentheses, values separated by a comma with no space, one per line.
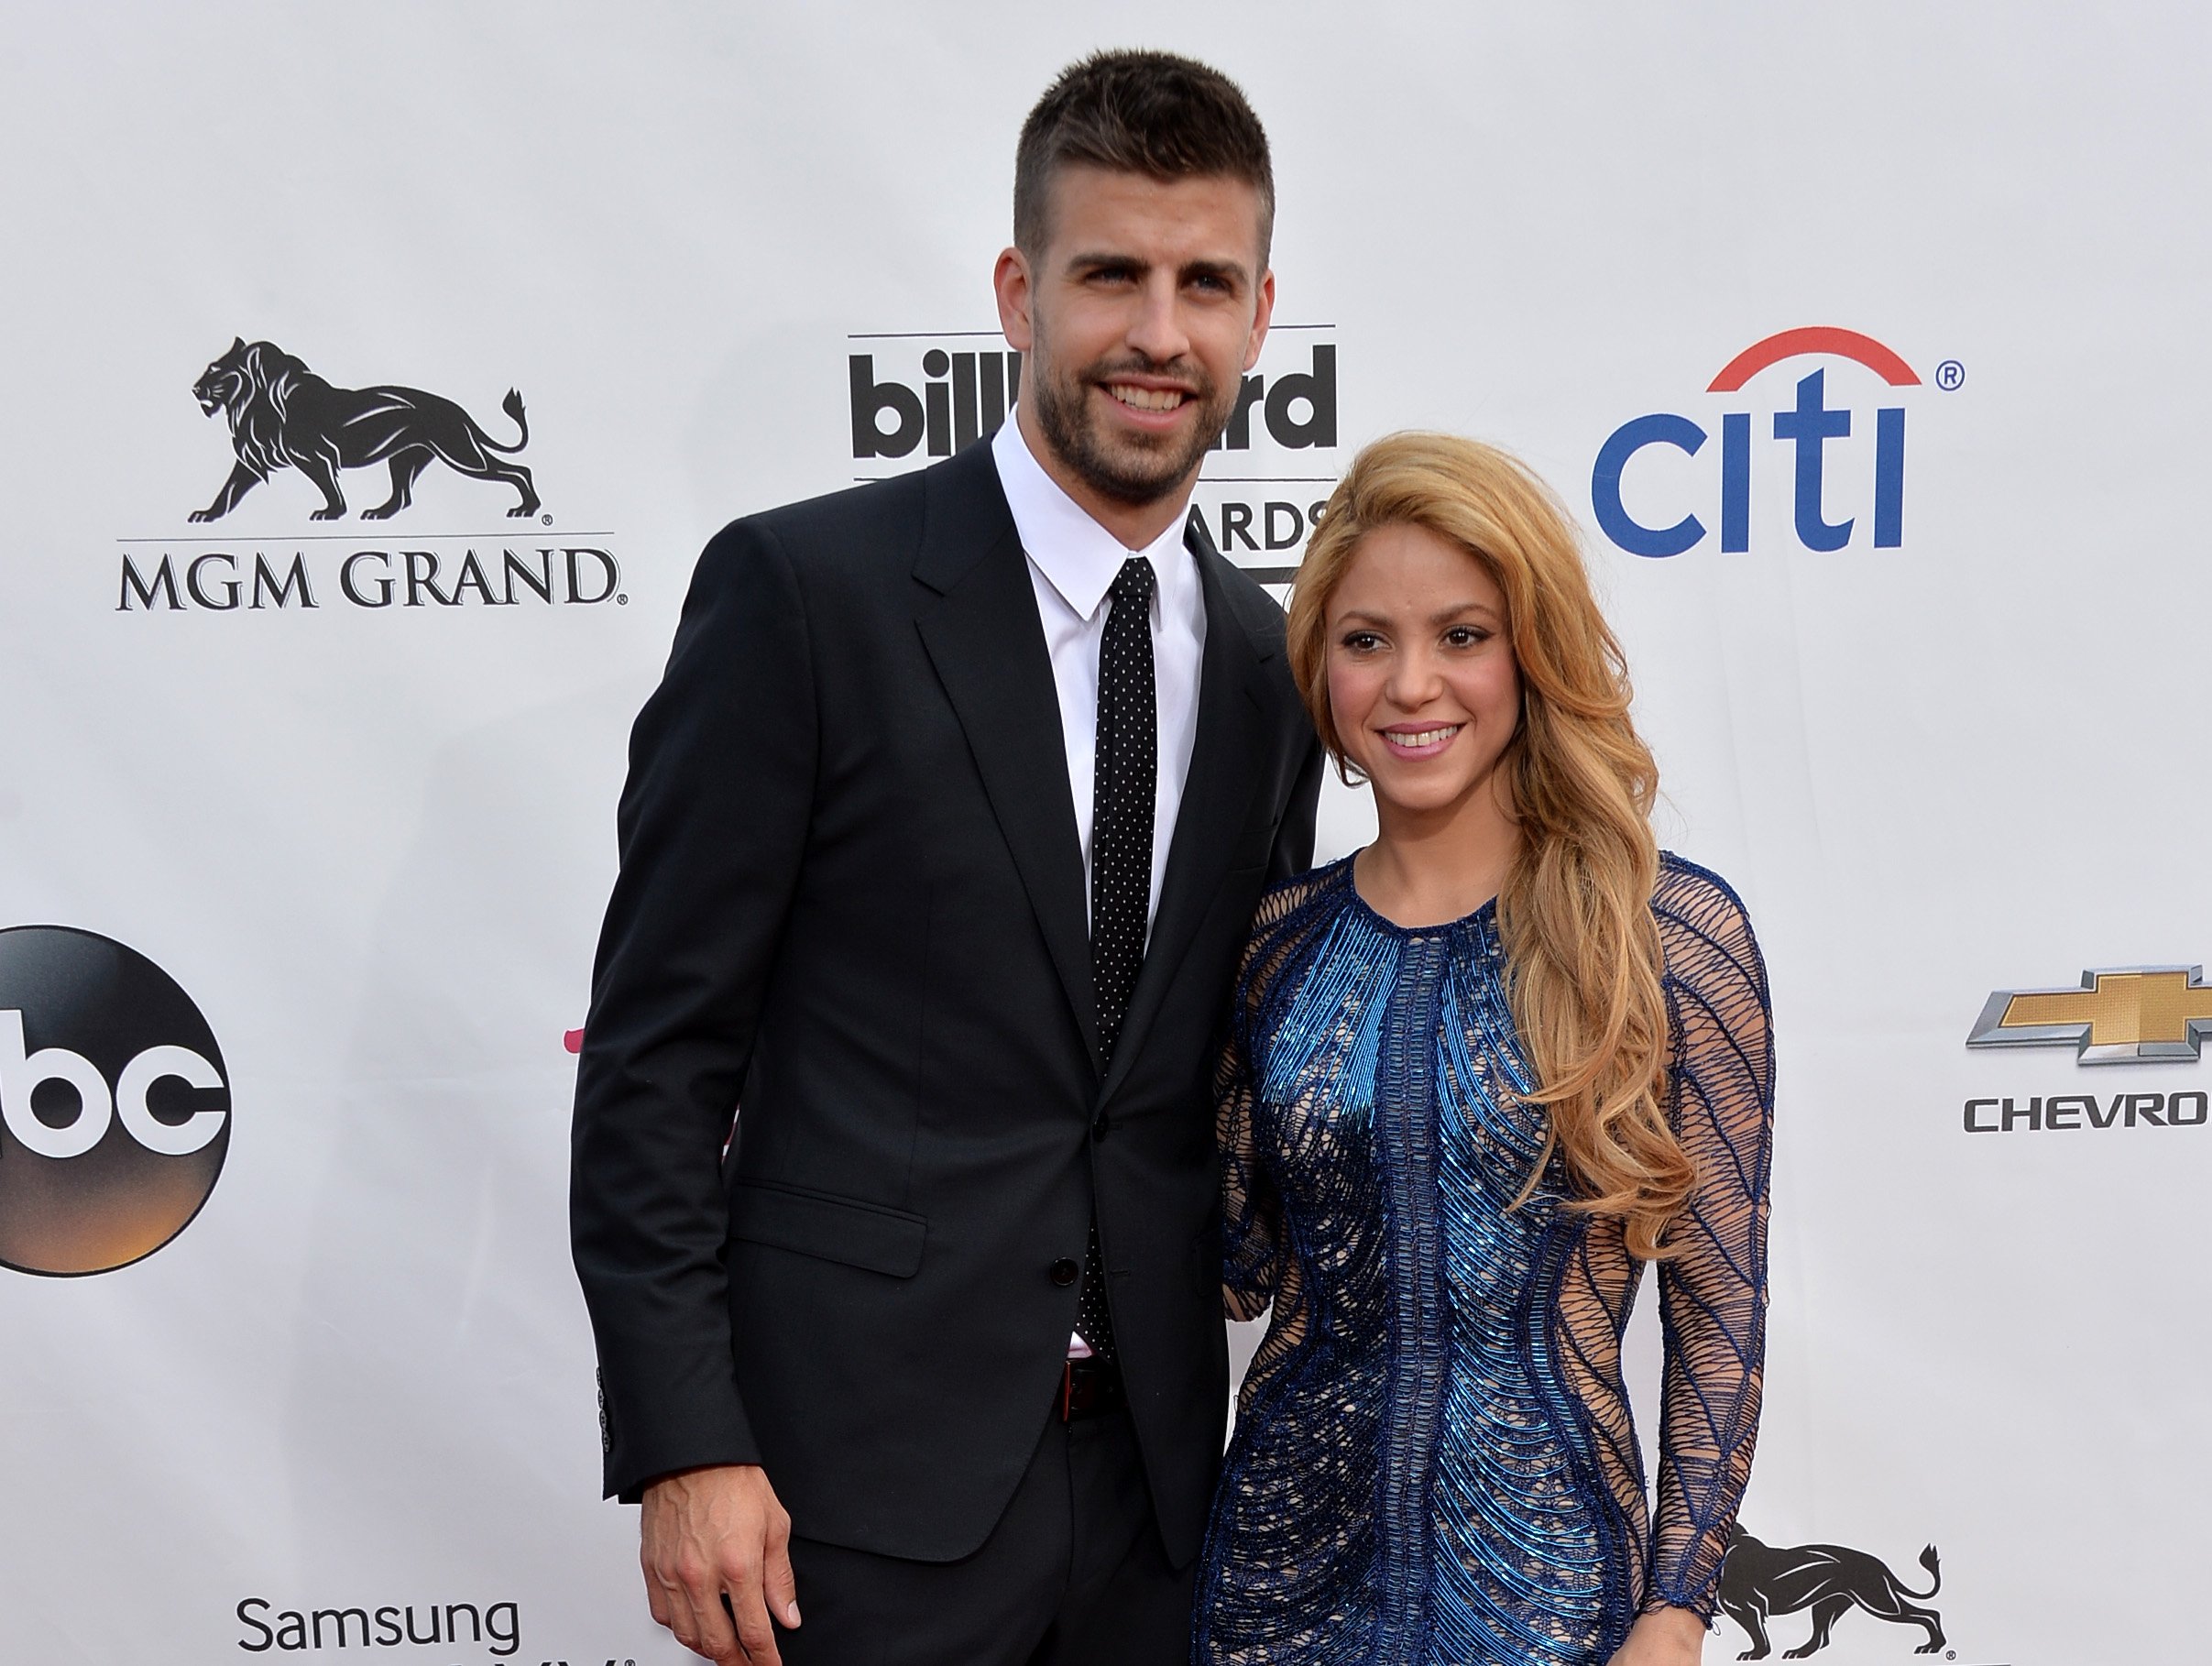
(1422,683)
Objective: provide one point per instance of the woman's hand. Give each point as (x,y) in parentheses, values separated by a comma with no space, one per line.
(1665,1636)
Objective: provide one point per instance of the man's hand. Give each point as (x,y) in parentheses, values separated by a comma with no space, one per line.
(716,1532)
(1665,1636)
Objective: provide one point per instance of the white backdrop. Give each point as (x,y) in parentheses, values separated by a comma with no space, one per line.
(371,844)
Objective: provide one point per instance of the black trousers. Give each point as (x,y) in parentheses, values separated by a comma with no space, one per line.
(1073,1575)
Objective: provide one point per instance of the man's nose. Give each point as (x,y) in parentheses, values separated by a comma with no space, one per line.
(1157,330)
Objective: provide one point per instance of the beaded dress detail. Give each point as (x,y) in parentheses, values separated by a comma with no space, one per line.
(1433,1463)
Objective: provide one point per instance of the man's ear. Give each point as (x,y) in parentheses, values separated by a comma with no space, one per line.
(1261,314)
(1010,281)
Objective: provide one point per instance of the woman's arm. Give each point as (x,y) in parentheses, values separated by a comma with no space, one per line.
(1713,1291)
(1252,1208)
(1251,1213)
(1663,1637)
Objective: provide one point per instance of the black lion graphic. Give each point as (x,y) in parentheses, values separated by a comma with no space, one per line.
(1758,1579)
(282,415)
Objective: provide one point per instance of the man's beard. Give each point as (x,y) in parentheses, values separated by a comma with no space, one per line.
(1135,469)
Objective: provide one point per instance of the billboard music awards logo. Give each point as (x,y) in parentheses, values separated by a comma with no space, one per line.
(2117,1015)
(115,1107)
(294,437)
(1647,508)
(920,396)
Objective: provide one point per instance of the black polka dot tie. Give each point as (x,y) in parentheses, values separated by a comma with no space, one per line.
(1123,781)
(1093,1323)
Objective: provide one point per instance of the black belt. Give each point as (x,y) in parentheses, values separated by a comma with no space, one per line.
(1088,1388)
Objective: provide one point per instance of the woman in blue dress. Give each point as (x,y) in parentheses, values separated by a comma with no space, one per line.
(1480,1074)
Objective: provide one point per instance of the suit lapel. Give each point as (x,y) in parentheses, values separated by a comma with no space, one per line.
(981,629)
(1225,764)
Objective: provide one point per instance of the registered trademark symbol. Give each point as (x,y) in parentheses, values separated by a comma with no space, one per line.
(1950,375)
(622,601)
(547,520)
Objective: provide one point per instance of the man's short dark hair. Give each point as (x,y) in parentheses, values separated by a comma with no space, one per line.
(1149,113)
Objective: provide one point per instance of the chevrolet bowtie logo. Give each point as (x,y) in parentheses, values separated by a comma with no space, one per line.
(2138,1015)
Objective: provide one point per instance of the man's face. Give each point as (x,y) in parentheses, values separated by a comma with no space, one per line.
(1138,320)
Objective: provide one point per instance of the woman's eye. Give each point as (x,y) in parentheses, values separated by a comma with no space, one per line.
(1465,636)
(1363,642)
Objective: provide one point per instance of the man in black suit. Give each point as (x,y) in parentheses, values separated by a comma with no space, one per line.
(941,842)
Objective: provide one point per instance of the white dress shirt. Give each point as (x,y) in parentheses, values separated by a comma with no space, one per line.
(1073,561)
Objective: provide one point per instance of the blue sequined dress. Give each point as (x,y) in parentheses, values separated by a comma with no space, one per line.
(1433,1463)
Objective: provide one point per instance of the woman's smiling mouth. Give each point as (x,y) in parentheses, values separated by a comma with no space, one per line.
(1421,741)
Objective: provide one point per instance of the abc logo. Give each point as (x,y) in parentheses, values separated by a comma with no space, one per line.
(114,1109)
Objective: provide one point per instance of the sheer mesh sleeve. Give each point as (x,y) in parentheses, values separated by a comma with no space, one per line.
(1251,1214)
(1712,1293)
(1252,1210)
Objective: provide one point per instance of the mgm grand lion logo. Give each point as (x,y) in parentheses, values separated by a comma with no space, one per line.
(1758,1580)
(282,415)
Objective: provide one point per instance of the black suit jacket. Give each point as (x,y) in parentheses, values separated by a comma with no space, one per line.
(851,899)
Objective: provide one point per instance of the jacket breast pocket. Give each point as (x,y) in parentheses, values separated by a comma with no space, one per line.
(843,1230)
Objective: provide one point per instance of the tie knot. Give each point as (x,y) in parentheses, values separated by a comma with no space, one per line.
(1133,584)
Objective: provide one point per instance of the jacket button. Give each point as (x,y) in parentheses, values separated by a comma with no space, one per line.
(1063,1272)
(1099,1128)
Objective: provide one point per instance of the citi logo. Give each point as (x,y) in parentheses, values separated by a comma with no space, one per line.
(114,1108)
(1792,441)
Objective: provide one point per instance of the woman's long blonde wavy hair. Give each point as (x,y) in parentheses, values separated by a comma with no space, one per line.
(1574,914)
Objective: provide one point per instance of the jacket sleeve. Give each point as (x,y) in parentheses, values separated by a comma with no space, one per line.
(1251,1212)
(1293,853)
(712,831)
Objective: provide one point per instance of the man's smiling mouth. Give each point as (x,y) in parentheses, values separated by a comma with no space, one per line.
(1146,398)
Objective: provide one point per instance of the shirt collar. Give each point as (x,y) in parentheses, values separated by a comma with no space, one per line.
(1079,557)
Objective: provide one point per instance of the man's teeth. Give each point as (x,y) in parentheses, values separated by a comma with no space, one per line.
(1147,399)
(1427,737)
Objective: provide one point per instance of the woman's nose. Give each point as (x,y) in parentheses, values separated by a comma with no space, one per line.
(1413,681)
